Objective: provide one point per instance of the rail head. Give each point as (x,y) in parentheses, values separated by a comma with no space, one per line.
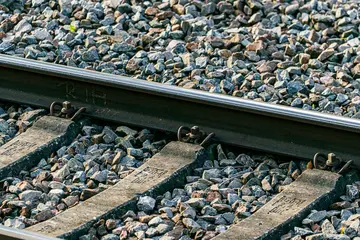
(7,233)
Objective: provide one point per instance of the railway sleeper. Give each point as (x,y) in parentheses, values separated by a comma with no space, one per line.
(314,189)
(25,151)
(164,171)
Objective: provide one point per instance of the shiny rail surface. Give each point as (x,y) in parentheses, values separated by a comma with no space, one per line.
(245,123)
(7,233)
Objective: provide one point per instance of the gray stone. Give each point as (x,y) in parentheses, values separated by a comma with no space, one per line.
(100,176)
(110,237)
(62,172)
(56,193)
(23,27)
(191,224)
(90,55)
(337,237)
(14,223)
(352,192)
(211,173)
(197,203)
(41,34)
(352,230)
(327,227)
(56,185)
(30,195)
(302,231)
(146,203)
(208,8)
(155,221)
(4,126)
(66,5)
(163,228)
(317,216)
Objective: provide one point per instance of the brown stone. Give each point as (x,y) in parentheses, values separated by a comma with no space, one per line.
(340,205)
(7,25)
(164,15)
(132,66)
(118,156)
(88,193)
(225,53)
(6,211)
(71,201)
(151,11)
(357,60)
(175,27)
(146,218)
(110,224)
(156,30)
(236,39)
(24,185)
(3,8)
(212,196)
(304,58)
(314,36)
(190,85)
(97,138)
(269,66)
(2,35)
(44,176)
(356,70)
(192,46)
(198,194)
(179,9)
(44,215)
(256,46)
(326,54)
(25,212)
(176,218)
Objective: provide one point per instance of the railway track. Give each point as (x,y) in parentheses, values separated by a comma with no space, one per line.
(130,190)
(91,155)
(250,124)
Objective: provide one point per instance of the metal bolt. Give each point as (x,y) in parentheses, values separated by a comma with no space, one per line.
(332,160)
(66,106)
(195,130)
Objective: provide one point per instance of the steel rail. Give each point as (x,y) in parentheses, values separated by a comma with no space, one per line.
(250,124)
(7,233)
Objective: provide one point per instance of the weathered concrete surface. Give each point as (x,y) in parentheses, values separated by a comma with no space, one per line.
(24,151)
(164,171)
(314,189)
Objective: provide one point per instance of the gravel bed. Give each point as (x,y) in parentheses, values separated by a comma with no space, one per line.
(98,158)
(15,120)
(295,53)
(340,222)
(221,193)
